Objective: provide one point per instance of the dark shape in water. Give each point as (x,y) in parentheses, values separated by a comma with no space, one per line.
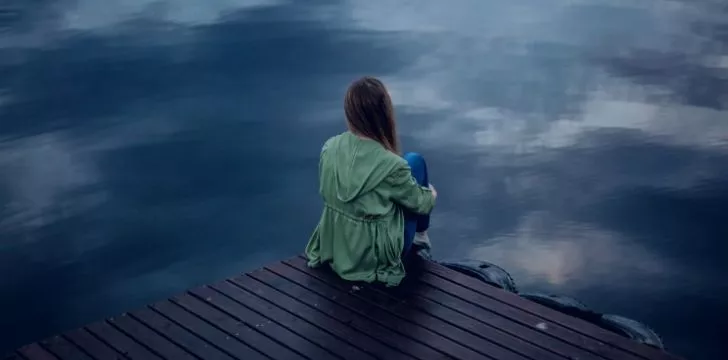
(564,304)
(496,276)
(487,272)
(626,327)
(632,329)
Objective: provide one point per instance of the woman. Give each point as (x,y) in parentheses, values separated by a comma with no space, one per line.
(376,202)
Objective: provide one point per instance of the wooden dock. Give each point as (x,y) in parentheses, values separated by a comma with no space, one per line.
(288,311)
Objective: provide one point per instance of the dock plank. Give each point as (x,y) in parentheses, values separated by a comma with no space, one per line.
(517,321)
(404,327)
(554,316)
(265,324)
(63,349)
(502,330)
(487,340)
(337,321)
(229,344)
(150,339)
(298,325)
(36,352)
(93,346)
(120,342)
(287,310)
(347,316)
(180,336)
(248,333)
(429,295)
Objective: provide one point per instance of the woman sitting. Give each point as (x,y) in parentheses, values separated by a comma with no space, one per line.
(376,202)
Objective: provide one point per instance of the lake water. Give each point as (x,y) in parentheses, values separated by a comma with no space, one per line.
(148,146)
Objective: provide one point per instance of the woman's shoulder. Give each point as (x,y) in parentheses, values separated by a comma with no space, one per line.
(395,159)
(331,141)
(368,149)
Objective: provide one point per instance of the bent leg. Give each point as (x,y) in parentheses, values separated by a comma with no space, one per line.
(414,223)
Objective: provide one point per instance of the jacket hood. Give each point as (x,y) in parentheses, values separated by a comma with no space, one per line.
(358,165)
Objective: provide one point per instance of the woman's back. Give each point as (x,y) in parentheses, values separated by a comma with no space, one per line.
(350,170)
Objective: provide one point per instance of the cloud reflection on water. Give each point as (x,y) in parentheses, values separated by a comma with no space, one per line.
(175,139)
(571,256)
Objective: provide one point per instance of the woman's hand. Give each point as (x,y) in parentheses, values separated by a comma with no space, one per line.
(434,192)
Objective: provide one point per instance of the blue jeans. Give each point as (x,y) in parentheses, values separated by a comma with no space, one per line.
(415,222)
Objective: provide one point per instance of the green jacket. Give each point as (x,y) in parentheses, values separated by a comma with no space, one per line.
(361,231)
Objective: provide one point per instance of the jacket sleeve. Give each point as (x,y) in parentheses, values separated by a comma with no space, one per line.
(401,188)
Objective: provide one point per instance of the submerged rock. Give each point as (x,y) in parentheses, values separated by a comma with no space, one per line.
(487,272)
(494,275)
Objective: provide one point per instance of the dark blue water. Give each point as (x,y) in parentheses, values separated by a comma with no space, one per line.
(150,146)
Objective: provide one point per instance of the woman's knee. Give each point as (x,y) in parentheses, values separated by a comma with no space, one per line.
(415,160)
(419,168)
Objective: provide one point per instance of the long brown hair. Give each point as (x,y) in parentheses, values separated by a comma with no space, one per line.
(369,112)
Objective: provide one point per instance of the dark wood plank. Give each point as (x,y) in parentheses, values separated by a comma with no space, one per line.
(248,334)
(421,326)
(120,342)
(453,309)
(179,335)
(573,323)
(292,322)
(347,316)
(485,339)
(313,333)
(13,356)
(264,324)
(36,352)
(400,325)
(514,320)
(525,337)
(63,349)
(93,346)
(461,332)
(338,321)
(289,311)
(230,345)
(143,335)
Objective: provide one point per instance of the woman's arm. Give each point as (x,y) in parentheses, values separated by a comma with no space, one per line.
(401,188)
